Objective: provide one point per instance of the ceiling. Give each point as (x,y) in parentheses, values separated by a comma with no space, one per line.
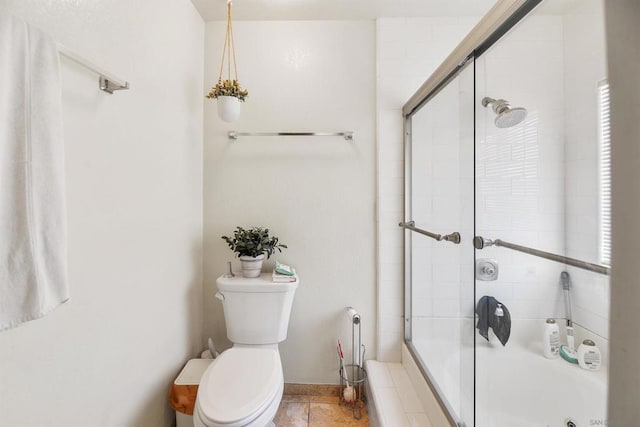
(272,10)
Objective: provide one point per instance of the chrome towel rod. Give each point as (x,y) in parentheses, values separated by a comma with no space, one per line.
(348,135)
(108,82)
(480,242)
(453,237)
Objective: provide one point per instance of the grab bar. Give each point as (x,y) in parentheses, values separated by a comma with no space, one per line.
(480,242)
(453,237)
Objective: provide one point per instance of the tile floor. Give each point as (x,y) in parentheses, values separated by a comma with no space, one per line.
(315,406)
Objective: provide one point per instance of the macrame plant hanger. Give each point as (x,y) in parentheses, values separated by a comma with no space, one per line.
(228,92)
(228,49)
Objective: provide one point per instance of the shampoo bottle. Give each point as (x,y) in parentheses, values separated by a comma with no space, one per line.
(589,356)
(551,339)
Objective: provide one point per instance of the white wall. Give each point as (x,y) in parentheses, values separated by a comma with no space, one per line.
(408,51)
(134,193)
(315,193)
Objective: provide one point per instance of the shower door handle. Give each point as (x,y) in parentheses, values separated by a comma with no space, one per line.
(451,237)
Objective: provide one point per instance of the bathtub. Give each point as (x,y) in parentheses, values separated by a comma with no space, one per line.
(515,385)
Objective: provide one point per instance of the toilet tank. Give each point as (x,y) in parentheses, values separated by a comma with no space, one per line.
(256,310)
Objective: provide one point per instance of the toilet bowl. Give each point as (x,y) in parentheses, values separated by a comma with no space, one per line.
(243,387)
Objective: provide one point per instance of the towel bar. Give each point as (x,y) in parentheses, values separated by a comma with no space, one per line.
(107,83)
(348,135)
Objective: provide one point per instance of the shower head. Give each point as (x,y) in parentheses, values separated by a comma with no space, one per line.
(506,116)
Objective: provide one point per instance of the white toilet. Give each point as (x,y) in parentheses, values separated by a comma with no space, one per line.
(243,386)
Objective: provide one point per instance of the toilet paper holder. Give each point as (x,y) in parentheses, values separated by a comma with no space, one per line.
(353,375)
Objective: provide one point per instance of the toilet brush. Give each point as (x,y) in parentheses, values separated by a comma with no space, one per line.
(349,393)
(341,357)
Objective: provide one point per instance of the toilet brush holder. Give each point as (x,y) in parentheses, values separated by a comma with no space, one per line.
(352,379)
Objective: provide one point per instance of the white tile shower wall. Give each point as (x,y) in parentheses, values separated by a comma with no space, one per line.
(519,174)
(134,201)
(408,50)
(585,66)
(316,193)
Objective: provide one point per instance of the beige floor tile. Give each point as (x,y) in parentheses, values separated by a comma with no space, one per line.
(325,399)
(328,414)
(313,405)
(292,414)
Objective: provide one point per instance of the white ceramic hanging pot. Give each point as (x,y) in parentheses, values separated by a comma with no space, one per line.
(251,266)
(228,108)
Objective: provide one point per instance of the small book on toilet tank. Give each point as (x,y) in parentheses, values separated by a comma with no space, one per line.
(283,278)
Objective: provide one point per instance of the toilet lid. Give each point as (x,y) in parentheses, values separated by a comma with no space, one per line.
(239,385)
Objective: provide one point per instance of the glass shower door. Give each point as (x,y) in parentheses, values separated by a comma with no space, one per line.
(439,272)
(537,194)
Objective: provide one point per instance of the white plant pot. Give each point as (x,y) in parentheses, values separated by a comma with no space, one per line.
(251,266)
(228,108)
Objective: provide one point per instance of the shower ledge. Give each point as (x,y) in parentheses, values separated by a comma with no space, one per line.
(399,396)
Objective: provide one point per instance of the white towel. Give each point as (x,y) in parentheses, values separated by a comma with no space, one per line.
(33,252)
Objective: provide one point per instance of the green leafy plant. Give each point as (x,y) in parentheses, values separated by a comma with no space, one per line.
(253,242)
(228,88)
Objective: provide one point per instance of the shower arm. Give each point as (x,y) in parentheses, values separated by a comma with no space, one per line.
(496,104)
(452,237)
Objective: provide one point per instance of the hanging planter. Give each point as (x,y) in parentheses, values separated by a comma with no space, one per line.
(228,108)
(228,92)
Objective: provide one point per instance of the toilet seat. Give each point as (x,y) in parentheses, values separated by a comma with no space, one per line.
(239,386)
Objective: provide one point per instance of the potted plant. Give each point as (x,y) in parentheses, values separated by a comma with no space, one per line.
(251,245)
(229,94)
